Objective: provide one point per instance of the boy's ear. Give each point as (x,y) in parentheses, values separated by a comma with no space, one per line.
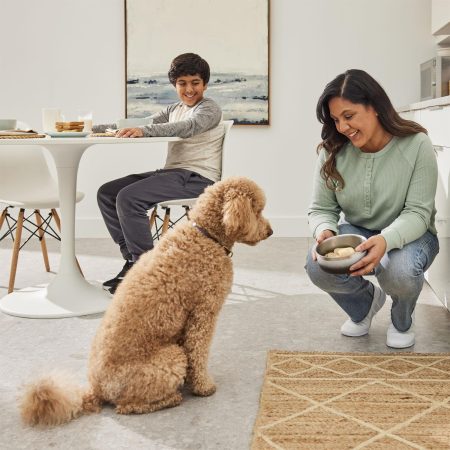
(237,214)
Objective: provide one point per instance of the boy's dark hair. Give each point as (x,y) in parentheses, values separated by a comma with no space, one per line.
(188,64)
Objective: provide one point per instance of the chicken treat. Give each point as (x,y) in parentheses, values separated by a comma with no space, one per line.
(341,252)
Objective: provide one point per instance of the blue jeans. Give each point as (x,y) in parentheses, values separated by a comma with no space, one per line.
(400,274)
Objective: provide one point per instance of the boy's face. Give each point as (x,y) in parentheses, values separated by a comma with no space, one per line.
(190,89)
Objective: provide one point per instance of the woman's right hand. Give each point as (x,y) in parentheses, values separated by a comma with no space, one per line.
(325,234)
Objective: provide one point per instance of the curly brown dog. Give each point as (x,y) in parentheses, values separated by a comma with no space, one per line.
(157,332)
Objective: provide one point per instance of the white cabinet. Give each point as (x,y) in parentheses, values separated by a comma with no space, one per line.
(442,193)
(440,17)
(438,276)
(436,119)
(411,115)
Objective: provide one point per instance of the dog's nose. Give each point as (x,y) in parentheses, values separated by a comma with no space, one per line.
(269,232)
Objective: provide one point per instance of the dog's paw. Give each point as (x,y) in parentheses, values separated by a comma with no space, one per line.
(125,409)
(204,389)
(91,403)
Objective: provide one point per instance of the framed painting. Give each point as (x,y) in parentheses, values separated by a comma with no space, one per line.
(232,35)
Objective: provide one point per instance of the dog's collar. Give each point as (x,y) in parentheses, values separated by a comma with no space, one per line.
(208,235)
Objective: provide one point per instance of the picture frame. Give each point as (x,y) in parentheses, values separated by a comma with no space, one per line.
(233,36)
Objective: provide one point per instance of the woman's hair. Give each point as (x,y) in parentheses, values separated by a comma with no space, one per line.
(188,64)
(358,87)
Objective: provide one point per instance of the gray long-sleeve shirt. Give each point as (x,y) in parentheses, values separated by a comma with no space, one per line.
(200,128)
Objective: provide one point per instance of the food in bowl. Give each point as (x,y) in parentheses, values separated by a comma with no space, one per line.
(340,252)
(337,254)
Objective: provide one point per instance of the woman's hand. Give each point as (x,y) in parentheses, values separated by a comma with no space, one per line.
(129,133)
(325,234)
(376,248)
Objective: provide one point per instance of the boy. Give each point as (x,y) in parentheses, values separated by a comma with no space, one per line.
(191,165)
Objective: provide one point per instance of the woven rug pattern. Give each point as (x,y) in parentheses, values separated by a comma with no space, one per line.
(354,401)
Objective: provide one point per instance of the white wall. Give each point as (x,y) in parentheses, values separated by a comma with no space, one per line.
(71,55)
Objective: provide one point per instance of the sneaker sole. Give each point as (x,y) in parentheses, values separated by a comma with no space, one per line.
(398,346)
(354,335)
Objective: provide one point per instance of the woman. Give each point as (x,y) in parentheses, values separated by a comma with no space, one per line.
(380,172)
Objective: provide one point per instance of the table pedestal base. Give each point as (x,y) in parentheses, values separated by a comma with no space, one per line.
(34,303)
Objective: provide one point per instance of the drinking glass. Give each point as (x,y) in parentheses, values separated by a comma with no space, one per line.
(86,117)
(49,117)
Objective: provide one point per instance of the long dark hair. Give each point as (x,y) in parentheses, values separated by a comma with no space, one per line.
(359,87)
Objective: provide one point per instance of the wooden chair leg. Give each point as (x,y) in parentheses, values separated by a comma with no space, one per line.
(56,217)
(15,255)
(41,233)
(153,218)
(58,224)
(166,221)
(2,217)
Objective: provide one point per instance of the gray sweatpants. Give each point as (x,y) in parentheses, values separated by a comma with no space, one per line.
(124,204)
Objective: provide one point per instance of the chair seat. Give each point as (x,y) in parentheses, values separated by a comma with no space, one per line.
(190,202)
(41,200)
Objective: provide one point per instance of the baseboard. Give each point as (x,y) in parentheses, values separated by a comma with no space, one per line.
(283,226)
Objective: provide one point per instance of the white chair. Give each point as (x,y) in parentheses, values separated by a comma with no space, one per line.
(26,183)
(186,203)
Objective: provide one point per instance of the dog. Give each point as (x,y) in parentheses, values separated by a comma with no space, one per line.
(156,334)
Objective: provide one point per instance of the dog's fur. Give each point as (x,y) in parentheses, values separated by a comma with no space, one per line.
(157,331)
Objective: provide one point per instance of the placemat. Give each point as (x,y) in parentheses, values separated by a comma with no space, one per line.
(23,136)
(339,401)
(102,135)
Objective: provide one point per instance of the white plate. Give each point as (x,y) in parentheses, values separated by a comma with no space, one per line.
(68,134)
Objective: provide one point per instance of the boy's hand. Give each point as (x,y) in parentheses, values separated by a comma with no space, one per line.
(129,133)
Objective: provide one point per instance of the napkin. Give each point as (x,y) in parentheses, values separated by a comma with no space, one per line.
(17,132)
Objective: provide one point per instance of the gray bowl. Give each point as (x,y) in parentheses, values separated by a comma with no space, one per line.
(339,265)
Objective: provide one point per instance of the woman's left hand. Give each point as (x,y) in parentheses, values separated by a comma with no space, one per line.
(129,133)
(376,248)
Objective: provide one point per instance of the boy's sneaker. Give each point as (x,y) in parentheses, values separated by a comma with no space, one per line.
(400,339)
(354,329)
(114,282)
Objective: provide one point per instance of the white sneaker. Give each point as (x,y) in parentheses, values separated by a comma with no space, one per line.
(399,339)
(354,329)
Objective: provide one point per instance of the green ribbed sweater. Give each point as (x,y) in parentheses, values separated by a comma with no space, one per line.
(391,191)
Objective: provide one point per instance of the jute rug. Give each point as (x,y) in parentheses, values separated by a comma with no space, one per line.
(354,401)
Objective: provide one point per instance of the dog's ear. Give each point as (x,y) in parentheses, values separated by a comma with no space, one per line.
(237,213)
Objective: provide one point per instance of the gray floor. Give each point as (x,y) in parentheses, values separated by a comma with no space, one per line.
(272,306)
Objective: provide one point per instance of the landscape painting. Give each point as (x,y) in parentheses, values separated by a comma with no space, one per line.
(232,35)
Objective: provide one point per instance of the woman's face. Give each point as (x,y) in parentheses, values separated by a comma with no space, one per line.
(359,123)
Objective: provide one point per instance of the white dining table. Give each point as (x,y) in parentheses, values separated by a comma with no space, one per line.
(68,294)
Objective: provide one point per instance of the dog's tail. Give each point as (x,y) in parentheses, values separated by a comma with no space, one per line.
(55,399)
